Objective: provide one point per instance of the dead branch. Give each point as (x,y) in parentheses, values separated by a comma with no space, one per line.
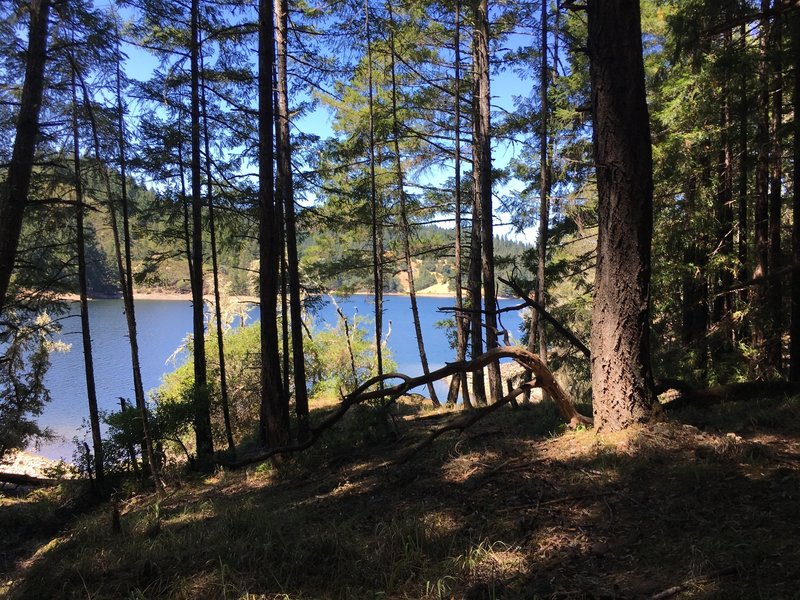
(677,589)
(368,391)
(573,339)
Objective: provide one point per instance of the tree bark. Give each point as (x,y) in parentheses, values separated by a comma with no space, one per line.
(794,336)
(287,188)
(14,192)
(462,320)
(622,382)
(544,183)
(483,166)
(86,332)
(274,411)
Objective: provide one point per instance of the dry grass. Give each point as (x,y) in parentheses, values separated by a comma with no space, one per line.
(704,505)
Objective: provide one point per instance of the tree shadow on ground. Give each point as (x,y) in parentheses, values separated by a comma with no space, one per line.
(506,510)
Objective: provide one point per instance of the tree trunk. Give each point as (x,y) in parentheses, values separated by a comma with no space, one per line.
(744,166)
(483,179)
(123,406)
(622,382)
(126,279)
(794,337)
(212,231)
(187,237)
(544,184)
(202,409)
(474,280)
(86,334)
(761,209)
(404,221)
(14,192)
(287,188)
(723,302)
(462,320)
(124,268)
(274,412)
(774,347)
(377,226)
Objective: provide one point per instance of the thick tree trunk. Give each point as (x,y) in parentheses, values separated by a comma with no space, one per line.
(14,192)
(794,337)
(86,332)
(274,412)
(483,166)
(287,188)
(622,383)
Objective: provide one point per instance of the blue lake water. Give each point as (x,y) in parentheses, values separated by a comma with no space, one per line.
(163,325)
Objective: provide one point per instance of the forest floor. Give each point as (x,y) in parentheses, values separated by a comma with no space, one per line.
(703,504)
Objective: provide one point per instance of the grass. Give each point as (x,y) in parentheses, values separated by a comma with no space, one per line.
(512,508)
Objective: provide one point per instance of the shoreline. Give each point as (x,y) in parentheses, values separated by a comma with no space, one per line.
(187,297)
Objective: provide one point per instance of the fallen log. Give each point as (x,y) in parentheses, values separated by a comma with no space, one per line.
(25,479)
(732,392)
(370,390)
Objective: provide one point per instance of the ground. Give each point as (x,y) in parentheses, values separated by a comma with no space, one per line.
(702,504)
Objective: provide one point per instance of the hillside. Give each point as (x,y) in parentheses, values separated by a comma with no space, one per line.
(508,509)
(159,252)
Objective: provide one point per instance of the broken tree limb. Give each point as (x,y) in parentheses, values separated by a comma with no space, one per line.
(571,337)
(368,391)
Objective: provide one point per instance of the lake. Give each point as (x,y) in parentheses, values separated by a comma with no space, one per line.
(164,324)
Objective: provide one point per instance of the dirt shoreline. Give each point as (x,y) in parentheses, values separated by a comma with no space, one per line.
(187,297)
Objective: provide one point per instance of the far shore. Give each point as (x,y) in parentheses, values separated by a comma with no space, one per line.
(187,297)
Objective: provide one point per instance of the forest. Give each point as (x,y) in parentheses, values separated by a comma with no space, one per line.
(625,170)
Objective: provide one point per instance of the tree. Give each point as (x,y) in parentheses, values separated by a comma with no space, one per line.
(274,414)
(794,366)
(86,335)
(14,192)
(202,411)
(622,384)
(482,177)
(286,186)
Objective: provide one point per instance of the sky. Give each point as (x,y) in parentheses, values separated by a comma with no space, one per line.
(504,86)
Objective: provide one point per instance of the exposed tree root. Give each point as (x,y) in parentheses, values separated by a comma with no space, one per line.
(370,390)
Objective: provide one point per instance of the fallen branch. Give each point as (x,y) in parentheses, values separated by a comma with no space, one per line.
(677,589)
(365,393)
